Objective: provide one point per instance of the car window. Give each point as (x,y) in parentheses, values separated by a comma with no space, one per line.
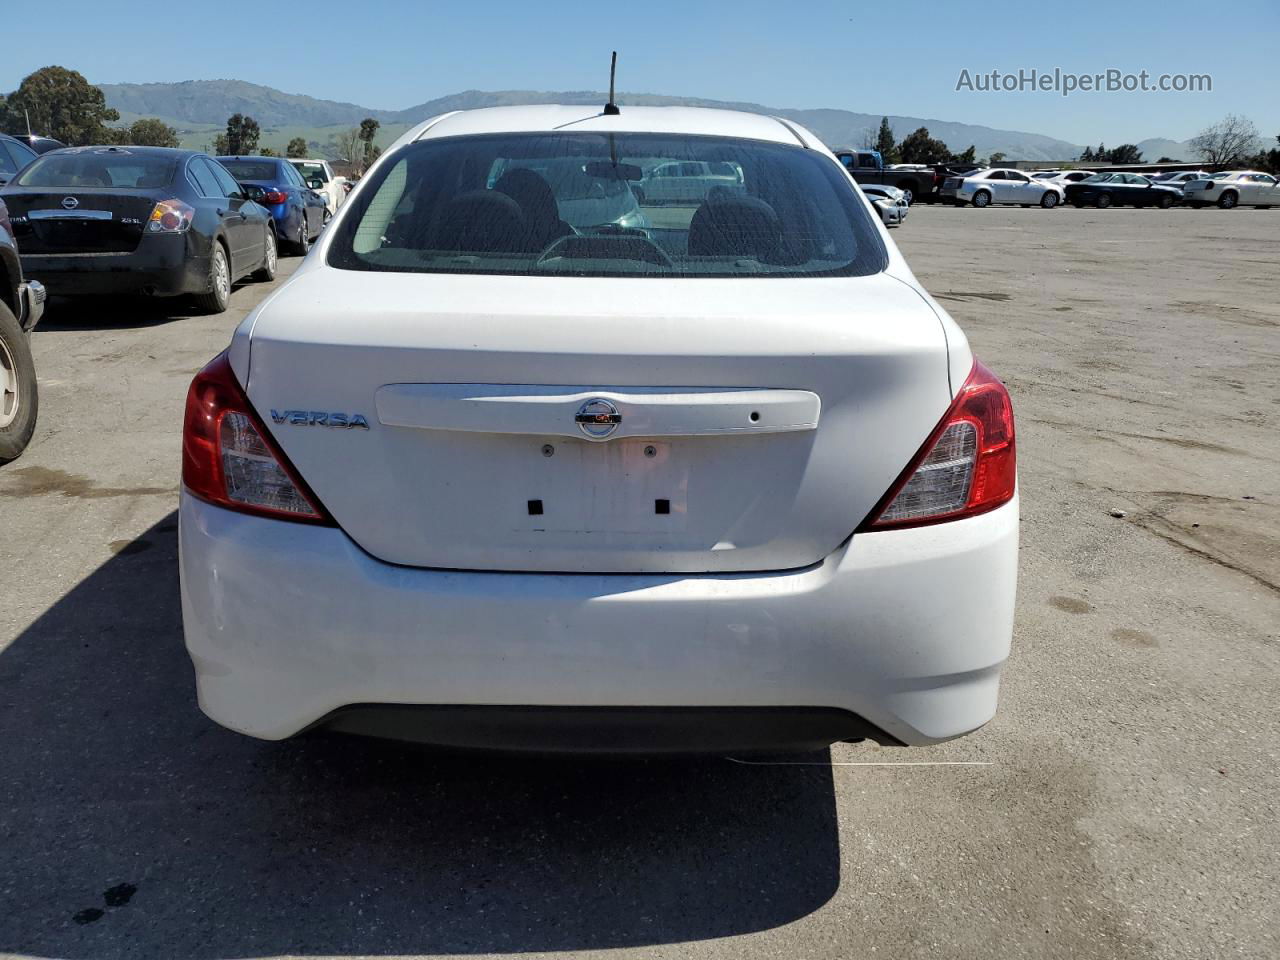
(1020,178)
(1263,178)
(292,175)
(19,154)
(311,170)
(564,203)
(103,167)
(258,170)
(995,175)
(225,180)
(8,166)
(206,183)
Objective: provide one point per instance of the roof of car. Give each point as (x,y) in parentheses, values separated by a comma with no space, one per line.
(677,120)
(114,148)
(256,159)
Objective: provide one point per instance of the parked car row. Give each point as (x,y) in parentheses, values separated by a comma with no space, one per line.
(1080,188)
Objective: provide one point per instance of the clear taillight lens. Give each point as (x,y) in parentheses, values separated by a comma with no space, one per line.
(966,467)
(228,458)
(170,216)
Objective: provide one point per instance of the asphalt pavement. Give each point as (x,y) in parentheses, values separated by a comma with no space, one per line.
(1123,803)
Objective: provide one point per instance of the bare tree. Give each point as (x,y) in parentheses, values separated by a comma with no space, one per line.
(349,149)
(1227,142)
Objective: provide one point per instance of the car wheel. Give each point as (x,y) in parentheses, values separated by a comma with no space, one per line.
(1166,203)
(910,194)
(1049,200)
(325,218)
(982,198)
(270,258)
(303,242)
(1104,201)
(19,401)
(219,282)
(1228,200)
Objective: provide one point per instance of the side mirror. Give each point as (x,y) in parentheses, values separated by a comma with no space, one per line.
(315,183)
(252,191)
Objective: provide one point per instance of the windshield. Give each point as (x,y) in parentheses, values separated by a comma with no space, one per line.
(98,168)
(591,204)
(250,169)
(1100,178)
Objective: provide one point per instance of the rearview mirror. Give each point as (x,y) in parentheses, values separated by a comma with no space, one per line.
(603,170)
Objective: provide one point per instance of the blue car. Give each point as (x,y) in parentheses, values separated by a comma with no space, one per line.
(298,212)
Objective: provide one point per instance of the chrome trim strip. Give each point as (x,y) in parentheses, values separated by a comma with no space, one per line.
(69,214)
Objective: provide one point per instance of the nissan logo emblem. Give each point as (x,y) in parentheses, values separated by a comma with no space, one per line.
(70,203)
(598,419)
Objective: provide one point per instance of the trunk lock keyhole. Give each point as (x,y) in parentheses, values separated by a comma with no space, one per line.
(548,450)
(651,451)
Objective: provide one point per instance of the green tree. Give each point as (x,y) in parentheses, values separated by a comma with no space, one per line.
(297,148)
(997,158)
(968,158)
(919,147)
(221,148)
(60,103)
(368,130)
(149,132)
(267,152)
(885,143)
(242,135)
(1087,156)
(1125,153)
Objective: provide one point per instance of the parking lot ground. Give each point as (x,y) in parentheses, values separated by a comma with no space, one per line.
(1123,803)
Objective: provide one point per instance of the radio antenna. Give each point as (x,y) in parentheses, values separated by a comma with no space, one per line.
(611,108)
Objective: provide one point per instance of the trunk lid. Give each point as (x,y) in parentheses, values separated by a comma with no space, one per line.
(51,221)
(750,424)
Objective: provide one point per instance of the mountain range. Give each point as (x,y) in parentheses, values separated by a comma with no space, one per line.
(199,108)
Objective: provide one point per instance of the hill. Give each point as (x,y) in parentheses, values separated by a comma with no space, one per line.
(199,108)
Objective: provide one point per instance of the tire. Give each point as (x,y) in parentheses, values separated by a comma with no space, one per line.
(19,400)
(1228,200)
(270,258)
(1165,203)
(219,295)
(1049,200)
(1104,201)
(982,199)
(909,189)
(325,218)
(302,243)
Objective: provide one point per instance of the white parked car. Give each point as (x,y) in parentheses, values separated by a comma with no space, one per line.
(1179,180)
(1063,177)
(890,202)
(688,181)
(1001,185)
(1235,188)
(319,177)
(481,473)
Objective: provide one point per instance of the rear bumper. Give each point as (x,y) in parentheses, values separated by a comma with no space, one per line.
(901,633)
(163,266)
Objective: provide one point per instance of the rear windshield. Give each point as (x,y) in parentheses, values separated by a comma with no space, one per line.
(250,169)
(310,171)
(608,205)
(99,168)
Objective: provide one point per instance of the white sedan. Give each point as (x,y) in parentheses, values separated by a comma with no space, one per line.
(320,177)
(488,471)
(1236,188)
(890,202)
(985,187)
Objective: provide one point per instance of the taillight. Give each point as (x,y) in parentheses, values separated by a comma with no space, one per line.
(229,459)
(272,197)
(170,216)
(966,467)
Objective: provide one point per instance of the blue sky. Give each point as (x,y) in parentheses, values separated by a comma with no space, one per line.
(901,58)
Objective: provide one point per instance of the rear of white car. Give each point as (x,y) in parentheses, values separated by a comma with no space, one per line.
(480,476)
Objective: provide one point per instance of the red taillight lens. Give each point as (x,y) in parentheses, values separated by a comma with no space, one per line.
(170,216)
(966,467)
(272,197)
(228,457)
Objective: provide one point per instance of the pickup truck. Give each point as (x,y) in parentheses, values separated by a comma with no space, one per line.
(21,304)
(867,166)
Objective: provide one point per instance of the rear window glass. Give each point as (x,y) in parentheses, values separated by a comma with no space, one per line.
(250,169)
(99,168)
(626,204)
(311,170)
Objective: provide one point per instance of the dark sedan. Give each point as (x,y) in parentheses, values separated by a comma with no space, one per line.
(298,212)
(1118,189)
(14,155)
(150,220)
